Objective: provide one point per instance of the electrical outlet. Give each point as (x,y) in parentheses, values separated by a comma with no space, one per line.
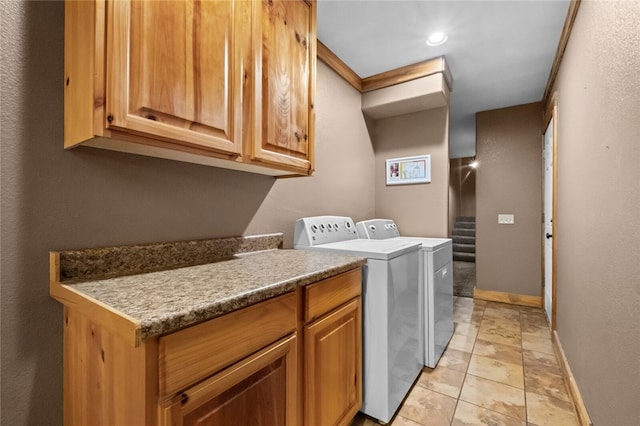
(506,219)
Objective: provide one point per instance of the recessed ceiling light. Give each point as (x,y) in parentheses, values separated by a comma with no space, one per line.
(436,39)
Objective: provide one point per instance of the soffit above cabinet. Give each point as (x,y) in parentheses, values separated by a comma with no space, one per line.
(412,96)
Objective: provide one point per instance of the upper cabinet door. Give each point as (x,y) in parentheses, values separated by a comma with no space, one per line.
(174,71)
(286,60)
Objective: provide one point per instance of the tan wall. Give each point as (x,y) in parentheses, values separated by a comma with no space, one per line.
(420,209)
(598,223)
(342,183)
(54,199)
(508,181)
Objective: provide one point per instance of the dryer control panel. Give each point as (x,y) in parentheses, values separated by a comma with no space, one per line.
(377,229)
(316,230)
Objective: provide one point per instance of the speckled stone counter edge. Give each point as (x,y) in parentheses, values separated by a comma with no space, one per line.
(109,262)
(144,304)
(167,325)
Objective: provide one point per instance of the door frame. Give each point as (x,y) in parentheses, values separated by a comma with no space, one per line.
(551,112)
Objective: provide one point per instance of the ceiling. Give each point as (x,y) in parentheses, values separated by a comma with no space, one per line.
(500,52)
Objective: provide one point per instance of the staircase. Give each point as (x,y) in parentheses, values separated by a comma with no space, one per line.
(464,239)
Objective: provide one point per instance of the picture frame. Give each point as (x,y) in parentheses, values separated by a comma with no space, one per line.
(408,170)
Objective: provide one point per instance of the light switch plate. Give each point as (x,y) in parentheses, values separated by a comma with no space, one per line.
(506,219)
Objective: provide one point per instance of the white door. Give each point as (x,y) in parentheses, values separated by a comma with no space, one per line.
(548,220)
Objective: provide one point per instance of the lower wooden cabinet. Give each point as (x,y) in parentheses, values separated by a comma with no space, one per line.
(259,390)
(333,378)
(333,350)
(291,360)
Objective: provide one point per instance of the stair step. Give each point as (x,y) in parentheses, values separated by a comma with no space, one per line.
(464,232)
(465,248)
(464,257)
(464,239)
(466,219)
(465,225)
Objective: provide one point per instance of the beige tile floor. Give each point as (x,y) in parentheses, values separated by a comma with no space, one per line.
(499,369)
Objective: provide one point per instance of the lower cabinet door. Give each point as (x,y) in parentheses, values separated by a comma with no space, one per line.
(258,390)
(333,367)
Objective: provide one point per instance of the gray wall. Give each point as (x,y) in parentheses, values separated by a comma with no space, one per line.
(54,199)
(420,209)
(598,223)
(509,180)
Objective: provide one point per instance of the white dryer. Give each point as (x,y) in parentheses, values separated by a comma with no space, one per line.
(391,308)
(436,278)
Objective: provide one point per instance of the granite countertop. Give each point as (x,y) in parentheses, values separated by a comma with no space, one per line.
(165,301)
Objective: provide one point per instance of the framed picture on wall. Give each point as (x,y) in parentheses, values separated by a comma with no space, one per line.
(408,170)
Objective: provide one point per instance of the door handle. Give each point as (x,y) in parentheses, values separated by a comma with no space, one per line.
(548,235)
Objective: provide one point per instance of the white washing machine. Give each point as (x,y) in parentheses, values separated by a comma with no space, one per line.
(391,308)
(436,278)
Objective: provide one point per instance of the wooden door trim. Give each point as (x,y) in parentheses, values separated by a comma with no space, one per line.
(562,45)
(551,113)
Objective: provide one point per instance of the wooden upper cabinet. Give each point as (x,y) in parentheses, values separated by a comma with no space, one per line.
(286,60)
(227,83)
(172,71)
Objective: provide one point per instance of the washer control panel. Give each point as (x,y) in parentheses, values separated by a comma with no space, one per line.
(316,230)
(377,229)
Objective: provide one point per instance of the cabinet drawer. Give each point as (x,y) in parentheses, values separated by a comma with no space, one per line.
(259,389)
(192,354)
(328,294)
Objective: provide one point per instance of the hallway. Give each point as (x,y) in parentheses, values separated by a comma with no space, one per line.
(499,369)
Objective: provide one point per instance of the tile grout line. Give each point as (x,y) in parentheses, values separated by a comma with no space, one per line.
(466,371)
(521,347)
(494,381)
(478,320)
(462,385)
